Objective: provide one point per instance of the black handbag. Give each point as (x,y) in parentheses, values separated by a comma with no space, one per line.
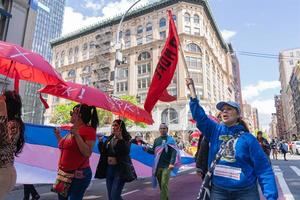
(128,172)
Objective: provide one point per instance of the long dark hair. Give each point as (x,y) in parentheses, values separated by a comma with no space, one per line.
(88,114)
(14,112)
(126,136)
(243,123)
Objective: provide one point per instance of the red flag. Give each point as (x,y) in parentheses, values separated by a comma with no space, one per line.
(165,68)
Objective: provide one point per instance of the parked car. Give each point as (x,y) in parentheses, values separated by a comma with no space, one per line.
(296,147)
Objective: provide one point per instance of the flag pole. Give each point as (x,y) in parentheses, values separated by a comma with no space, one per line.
(191,86)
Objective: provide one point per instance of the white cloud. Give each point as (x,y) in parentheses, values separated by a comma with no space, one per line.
(255,90)
(227,34)
(76,20)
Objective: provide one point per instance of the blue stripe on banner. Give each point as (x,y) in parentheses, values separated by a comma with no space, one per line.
(44,135)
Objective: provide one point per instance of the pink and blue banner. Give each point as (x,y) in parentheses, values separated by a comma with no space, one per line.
(37,164)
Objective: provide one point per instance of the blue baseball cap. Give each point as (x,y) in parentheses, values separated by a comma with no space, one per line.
(229,103)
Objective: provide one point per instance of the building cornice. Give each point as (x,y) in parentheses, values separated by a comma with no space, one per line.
(137,13)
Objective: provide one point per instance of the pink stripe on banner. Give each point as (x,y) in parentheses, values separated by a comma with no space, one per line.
(46,157)
(39,156)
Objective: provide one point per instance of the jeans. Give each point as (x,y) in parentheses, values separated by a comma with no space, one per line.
(78,186)
(163,177)
(248,193)
(114,183)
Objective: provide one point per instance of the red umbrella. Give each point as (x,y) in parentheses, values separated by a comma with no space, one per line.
(17,62)
(95,97)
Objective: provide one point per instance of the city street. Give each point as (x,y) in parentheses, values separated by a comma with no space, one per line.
(185,185)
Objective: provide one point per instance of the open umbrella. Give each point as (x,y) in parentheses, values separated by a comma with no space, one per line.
(17,62)
(95,97)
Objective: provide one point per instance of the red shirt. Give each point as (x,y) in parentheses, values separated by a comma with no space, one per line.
(71,157)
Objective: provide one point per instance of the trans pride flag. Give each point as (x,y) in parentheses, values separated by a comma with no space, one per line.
(37,164)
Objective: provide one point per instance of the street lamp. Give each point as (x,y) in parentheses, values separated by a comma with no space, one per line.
(118,46)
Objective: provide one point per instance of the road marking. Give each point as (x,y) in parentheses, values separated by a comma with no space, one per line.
(193,172)
(148,182)
(283,185)
(92,197)
(296,170)
(133,191)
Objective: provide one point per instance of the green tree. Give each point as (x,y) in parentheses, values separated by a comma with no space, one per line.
(61,114)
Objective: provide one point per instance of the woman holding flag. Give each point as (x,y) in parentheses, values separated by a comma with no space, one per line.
(237,162)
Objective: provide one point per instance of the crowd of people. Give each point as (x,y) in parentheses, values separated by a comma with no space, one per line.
(238,160)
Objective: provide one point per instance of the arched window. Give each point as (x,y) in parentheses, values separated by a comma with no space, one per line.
(144,56)
(149,27)
(169,116)
(127,33)
(76,50)
(162,22)
(196,19)
(62,58)
(174,18)
(140,29)
(187,17)
(71,73)
(70,52)
(192,47)
(85,46)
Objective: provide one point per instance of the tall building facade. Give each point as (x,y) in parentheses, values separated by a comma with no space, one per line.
(88,57)
(17,19)
(280,117)
(251,117)
(236,77)
(287,62)
(48,26)
(273,132)
(295,90)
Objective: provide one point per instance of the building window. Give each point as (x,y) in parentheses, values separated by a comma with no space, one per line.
(127,43)
(149,38)
(187,17)
(127,33)
(197,77)
(122,86)
(148,27)
(86,69)
(85,47)
(123,73)
(196,19)
(174,18)
(193,62)
(62,58)
(143,83)
(86,80)
(162,35)
(291,62)
(144,69)
(192,47)
(187,29)
(76,54)
(140,29)
(141,97)
(72,73)
(162,22)
(196,31)
(139,40)
(169,116)
(144,56)
(70,56)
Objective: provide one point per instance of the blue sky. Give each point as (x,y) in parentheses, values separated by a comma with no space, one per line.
(259,26)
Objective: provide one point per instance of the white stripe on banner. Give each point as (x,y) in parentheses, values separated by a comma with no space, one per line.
(296,170)
(283,185)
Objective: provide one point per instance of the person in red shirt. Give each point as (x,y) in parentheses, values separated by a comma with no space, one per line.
(76,149)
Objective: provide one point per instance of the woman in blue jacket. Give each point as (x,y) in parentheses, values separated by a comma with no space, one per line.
(236,174)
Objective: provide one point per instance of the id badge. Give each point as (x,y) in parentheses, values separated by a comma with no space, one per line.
(79,174)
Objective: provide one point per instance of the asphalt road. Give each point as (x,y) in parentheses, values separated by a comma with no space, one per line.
(183,187)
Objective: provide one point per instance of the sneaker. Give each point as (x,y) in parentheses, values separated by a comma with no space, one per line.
(36,197)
